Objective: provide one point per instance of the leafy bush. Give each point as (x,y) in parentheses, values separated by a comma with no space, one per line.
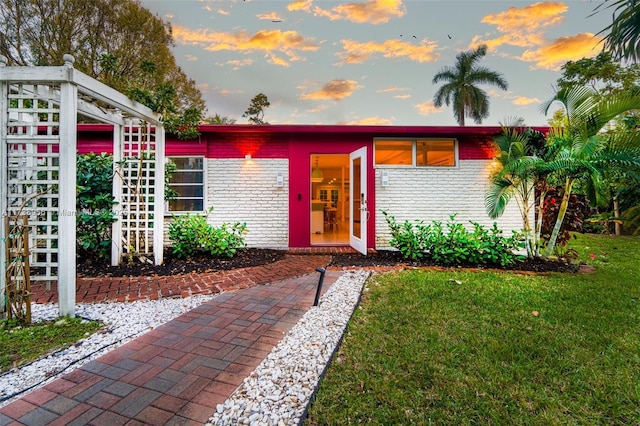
(453,244)
(190,234)
(411,239)
(573,222)
(94,181)
(94,203)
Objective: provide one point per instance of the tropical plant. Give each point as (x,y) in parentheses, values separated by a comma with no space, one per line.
(578,211)
(582,150)
(623,34)
(519,162)
(461,86)
(607,76)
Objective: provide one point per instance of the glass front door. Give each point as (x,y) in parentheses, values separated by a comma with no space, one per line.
(359,213)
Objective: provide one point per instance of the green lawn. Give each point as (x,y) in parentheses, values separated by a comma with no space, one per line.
(22,344)
(499,348)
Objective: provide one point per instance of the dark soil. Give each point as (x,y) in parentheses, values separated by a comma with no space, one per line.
(174,266)
(390,258)
(255,257)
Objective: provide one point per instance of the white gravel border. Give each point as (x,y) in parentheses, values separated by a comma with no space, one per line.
(279,390)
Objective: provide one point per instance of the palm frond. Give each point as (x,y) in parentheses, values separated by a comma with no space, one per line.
(628,158)
(576,100)
(560,166)
(445,74)
(631,218)
(598,114)
(520,169)
(483,75)
(584,147)
(622,138)
(512,123)
(497,197)
(597,193)
(623,34)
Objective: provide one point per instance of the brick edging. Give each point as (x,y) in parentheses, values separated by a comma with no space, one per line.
(129,289)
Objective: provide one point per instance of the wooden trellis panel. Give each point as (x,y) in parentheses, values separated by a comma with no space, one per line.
(137,171)
(33,166)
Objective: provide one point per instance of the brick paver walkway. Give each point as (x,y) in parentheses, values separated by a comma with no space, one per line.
(178,372)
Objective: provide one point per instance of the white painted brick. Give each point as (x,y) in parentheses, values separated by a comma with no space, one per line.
(241,191)
(434,194)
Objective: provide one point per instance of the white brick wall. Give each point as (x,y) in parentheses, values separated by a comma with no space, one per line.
(245,191)
(436,193)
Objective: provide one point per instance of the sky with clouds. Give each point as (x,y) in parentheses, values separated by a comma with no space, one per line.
(372,61)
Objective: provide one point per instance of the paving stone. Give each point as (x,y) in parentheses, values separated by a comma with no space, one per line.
(38,417)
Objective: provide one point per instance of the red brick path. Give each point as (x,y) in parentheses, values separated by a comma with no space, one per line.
(178,372)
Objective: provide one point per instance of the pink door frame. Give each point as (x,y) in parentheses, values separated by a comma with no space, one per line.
(300,184)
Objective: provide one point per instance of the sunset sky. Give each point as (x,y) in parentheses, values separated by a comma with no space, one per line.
(372,61)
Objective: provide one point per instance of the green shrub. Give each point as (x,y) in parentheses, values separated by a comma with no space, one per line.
(94,203)
(411,239)
(191,234)
(453,244)
(94,182)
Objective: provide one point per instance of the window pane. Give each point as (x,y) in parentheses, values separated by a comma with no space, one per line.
(188,190)
(186,177)
(188,163)
(186,205)
(188,183)
(436,153)
(394,153)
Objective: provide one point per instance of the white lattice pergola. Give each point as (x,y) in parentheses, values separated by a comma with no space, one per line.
(39,108)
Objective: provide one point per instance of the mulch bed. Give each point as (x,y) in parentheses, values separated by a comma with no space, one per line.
(256,257)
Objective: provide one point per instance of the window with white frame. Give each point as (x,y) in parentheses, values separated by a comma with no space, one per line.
(187,184)
(415,152)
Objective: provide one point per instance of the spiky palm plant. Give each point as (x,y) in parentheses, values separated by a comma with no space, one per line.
(516,178)
(581,148)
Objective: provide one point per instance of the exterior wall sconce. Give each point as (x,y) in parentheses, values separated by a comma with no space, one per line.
(280,180)
(385,178)
(247,156)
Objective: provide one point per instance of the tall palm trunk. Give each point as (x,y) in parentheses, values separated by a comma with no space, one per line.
(561,213)
(525,211)
(529,237)
(616,214)
(539,218)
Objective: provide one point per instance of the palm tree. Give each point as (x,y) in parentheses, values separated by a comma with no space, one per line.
(517,178)
(460,88)
(623,38)
(582,150)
